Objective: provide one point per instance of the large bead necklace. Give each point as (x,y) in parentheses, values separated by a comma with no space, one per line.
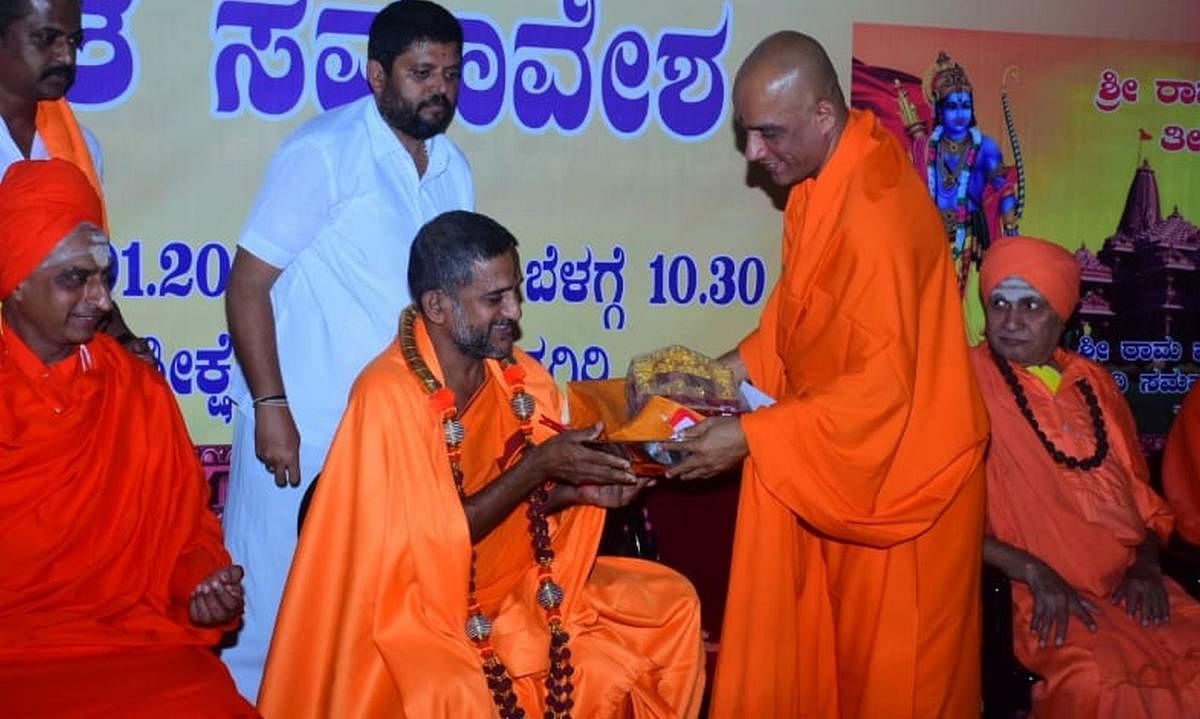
(549,594)
(1089,396)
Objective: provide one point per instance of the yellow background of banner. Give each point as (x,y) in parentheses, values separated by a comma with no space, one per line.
(174,172)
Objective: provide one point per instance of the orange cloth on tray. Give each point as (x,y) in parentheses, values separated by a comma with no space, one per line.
(854,588)
(1086,524)
(605,401)
(591,401)
(372,620)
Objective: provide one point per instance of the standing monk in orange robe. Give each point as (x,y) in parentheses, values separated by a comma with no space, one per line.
(114,583)
(1071,516)
(1181,468)
(854,589)
(436,574)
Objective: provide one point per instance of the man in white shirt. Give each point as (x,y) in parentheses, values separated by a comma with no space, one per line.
(319,280)
(39,40)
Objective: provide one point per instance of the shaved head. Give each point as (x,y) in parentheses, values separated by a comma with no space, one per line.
(787,99)
(790,61)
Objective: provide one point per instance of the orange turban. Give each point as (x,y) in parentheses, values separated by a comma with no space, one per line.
(1048,268)
(41,202)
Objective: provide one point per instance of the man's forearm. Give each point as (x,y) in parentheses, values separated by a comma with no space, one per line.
(252,329)
(1147,551)
(490,506)
(1007,558)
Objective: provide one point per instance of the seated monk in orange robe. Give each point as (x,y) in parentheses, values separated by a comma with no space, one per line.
(854,588)
(114,582)
(1181,467)
(1072,519)
(436,575)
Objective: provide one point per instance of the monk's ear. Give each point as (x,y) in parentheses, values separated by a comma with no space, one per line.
(435,306)
(826,116)
(377,76)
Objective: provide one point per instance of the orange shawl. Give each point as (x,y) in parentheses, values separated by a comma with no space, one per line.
(64,139)
(372,619)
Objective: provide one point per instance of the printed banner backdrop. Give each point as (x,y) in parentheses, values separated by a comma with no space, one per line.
(1108,132)
(595,130)
(599,131)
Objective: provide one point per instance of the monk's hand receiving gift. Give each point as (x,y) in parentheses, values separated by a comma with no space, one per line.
(1144,593)
(567,459)
(1054,601)
(716,445)
(218,599)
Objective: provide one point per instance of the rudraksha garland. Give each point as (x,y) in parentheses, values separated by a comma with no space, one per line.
(550,595)
(1089,396)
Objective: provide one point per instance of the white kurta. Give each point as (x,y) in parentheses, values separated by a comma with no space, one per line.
(338,210)
(10,153)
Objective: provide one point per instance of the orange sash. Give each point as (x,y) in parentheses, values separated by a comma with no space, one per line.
(64,139)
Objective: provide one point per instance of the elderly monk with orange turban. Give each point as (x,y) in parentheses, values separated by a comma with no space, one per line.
(1181,467)
(114,582)
(854,588)
(1072,519)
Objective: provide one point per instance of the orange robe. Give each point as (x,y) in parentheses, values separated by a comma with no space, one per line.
(373,615)
(106,530)
(1086,525)
(1181,468)
(854,589)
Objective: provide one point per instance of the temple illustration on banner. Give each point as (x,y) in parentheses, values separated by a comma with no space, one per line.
(1144,284)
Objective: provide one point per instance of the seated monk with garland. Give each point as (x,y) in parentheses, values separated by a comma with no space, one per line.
(1072,519)
(447,566)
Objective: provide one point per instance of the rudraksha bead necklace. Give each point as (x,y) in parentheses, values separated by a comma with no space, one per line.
(559,686)
(1089,396)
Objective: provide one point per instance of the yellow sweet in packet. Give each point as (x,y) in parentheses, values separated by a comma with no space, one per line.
(685,376)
